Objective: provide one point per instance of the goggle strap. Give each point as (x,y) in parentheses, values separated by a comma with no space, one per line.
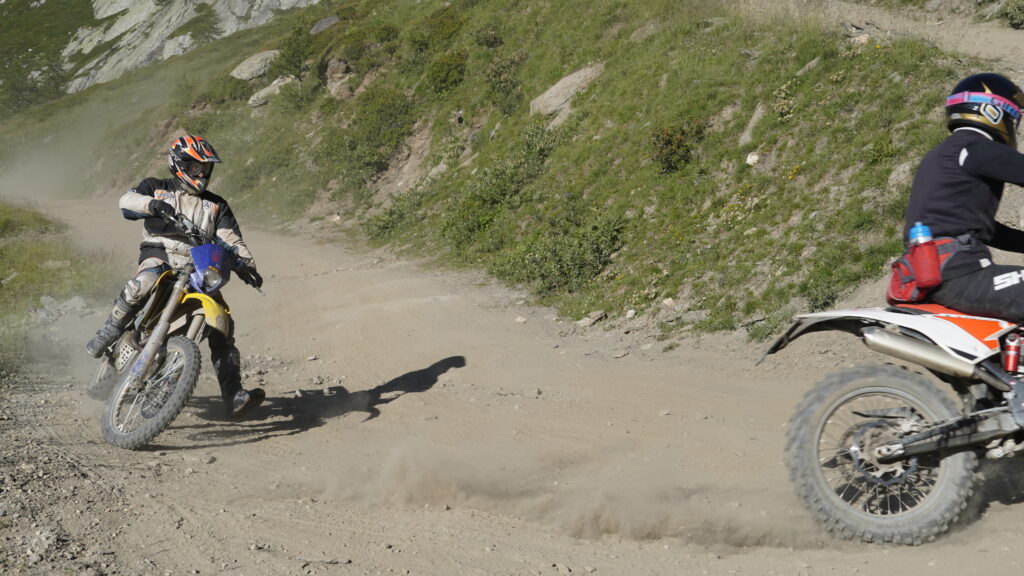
(982,98)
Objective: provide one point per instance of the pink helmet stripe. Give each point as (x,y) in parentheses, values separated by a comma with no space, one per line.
(984,98)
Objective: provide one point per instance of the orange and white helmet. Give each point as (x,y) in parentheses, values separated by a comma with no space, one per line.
(191,161)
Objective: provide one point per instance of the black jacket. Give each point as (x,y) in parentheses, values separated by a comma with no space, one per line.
(957,191)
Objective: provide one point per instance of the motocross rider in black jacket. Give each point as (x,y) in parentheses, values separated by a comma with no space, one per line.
(957,190)
(190,160)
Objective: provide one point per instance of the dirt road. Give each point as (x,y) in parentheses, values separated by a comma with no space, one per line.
(426,422)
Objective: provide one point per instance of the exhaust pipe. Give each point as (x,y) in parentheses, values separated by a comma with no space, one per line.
(906,348)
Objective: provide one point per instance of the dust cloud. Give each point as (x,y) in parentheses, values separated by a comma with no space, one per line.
(588,500)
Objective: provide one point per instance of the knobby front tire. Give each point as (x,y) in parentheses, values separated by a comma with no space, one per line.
(134,417)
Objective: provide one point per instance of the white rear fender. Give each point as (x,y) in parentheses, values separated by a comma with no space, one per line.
(968,338)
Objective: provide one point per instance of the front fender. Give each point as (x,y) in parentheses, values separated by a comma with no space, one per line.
(218,316)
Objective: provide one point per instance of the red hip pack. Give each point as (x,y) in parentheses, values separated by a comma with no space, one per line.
(919,270)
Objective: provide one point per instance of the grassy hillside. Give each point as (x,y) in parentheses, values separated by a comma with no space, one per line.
(643,194)
(31,39)
(36,260)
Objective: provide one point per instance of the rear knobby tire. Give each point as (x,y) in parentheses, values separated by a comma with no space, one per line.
(133,418)
(910,502)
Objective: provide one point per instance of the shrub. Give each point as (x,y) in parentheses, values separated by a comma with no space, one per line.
(381,122)
(403,208)
(488,37)
(563,260)
(369,46)
(437,31)
(296,96)
(447,71)
(499,186)
(674,145)
(295,50)
(503,80)
(229,89)
(1013,13)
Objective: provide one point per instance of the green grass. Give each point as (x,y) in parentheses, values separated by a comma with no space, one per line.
(742,244)
(31,40)
(643,194)
(37,259)
(1012,12)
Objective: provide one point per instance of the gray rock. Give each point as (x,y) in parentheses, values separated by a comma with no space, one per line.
(255,66)
(262,97)
(556,99)
(338,75)
(809,66)
(324,24)
(747,136)
(591,318)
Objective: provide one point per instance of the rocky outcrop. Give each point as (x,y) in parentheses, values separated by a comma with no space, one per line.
(324,24)
(140,32)
(557,98)
(338,75)
(262,97)
(255,66)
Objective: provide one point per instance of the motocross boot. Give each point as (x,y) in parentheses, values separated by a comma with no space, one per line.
(245,400)
(112,328)
(228,364)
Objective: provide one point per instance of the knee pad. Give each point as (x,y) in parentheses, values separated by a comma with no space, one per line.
(138,286)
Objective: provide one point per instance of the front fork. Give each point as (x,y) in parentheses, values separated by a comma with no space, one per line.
(140,368)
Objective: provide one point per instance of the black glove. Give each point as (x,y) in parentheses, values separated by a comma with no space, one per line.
(161,209)
(250,276)
(257,280)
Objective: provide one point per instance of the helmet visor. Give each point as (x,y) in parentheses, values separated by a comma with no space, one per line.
(197,169)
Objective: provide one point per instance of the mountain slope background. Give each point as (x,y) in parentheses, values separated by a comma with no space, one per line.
(727,164)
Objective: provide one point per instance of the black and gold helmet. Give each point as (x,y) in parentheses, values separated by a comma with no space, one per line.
(989,102)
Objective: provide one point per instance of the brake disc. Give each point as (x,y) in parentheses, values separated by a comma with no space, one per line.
(866,439)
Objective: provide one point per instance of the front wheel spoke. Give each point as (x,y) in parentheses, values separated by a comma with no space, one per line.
(129,416)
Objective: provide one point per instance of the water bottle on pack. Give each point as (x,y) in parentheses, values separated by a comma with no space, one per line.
(924,256)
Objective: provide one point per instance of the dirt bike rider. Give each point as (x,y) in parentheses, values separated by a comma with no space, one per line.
(190,160)
(957,191)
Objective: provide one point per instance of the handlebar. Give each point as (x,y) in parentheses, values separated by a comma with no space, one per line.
(197,237)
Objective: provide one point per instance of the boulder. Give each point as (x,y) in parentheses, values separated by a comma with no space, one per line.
(324,24)
(263,96)
(556,99)
(255,66)
(338,74)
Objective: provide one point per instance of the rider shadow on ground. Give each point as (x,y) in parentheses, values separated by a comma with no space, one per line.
(296,413)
